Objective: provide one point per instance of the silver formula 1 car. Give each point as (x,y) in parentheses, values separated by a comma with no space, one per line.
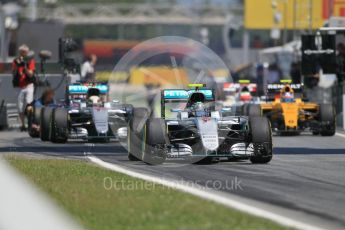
(85,114)
(198,132)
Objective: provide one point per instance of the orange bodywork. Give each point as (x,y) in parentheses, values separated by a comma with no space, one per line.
(291,113)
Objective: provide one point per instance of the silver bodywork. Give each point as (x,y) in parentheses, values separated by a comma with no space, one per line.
(105,119)
(209,132)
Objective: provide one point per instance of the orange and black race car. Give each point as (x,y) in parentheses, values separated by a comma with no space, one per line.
(289,112)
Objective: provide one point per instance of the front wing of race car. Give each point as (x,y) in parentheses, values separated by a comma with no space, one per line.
(208,136)
(98,123)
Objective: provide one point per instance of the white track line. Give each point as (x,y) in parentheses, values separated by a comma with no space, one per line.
(209,195)
(340,135)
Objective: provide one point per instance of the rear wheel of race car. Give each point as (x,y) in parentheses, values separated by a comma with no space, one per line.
(59,126)
(34,120)
(254,110)
(261,138)
(135,133)
(327,119)
(154,141)
(45,124)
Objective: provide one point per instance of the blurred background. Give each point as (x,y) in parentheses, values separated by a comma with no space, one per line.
(256,40)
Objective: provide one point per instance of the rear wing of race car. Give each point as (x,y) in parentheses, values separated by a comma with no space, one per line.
(81,89)
(273,90)
(236,87)
(182,95)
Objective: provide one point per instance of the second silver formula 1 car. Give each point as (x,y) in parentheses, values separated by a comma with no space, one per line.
(85,114)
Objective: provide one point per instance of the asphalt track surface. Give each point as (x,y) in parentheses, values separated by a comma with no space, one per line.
(306,175)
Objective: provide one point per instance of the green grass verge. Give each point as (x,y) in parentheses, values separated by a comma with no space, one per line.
(79,187)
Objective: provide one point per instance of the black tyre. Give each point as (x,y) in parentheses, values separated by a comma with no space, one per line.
(261,137)
(59,126)
(254,110)
(155,141)
(37,115)
(34,119)
(45,124)
(135,133)
(245,109)
(327,119)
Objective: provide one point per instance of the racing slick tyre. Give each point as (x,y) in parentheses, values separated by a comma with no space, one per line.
(155,141)
(45,124)
(254,110)
(34,119)
(245,108)
(59,126)
(327,119)
(135,133)
(261,137)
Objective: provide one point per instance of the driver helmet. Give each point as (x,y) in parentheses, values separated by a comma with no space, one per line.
(199,106)
(287,97)
(93,95)
(199,109)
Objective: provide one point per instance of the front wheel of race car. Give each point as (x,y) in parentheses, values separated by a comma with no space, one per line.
(135,133)
(59,126)
(327,119)
(155,141)
(45,124)
(254,110)
(261,138)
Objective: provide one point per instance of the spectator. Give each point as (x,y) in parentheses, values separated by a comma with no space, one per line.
(47,98)
(23,69)
(88,69)
(274,74)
